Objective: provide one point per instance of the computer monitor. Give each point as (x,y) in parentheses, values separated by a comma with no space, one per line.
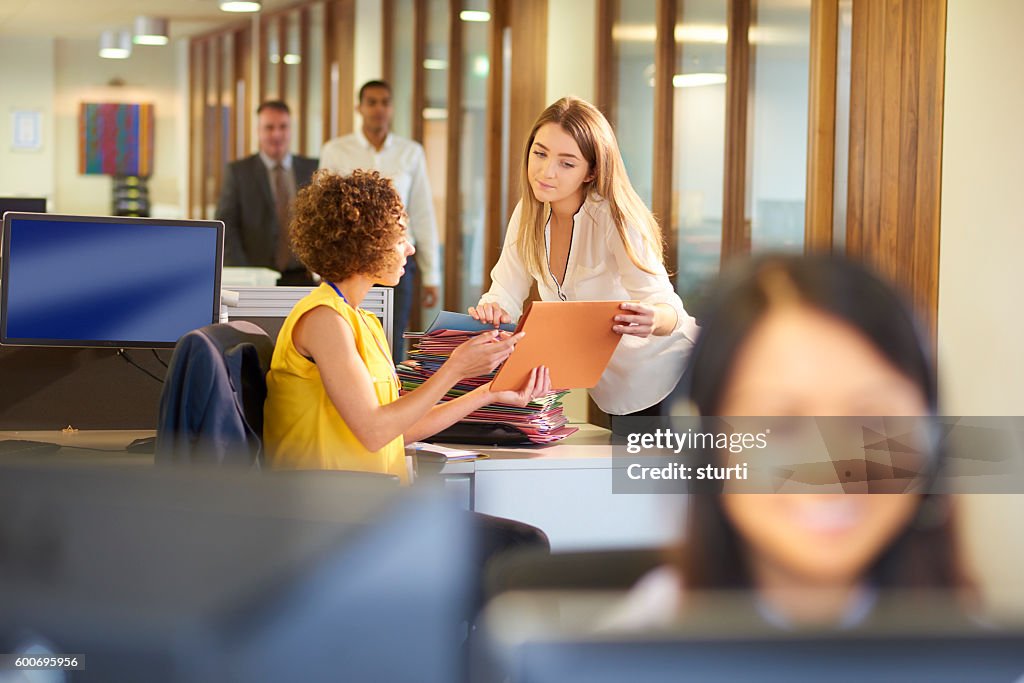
(721,636)
(22,204)
(979,657)
(92,281)
(193,576)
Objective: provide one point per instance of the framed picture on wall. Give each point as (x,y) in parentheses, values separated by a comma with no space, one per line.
(26,130)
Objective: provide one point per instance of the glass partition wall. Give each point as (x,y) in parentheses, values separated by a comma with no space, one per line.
(219,128)
(437,54)
(730,105)
(293,63)
(709,99)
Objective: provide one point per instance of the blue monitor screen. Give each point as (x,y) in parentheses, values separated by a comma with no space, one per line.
(86,281)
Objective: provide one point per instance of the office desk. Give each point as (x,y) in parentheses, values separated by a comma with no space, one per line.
(565,489)
(82,447)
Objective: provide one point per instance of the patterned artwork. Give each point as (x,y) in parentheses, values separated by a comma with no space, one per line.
(115,139)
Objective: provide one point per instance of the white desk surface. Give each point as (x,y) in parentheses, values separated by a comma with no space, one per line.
(568,490)
(565,488)
(589,448)
(83,446)
(100,439)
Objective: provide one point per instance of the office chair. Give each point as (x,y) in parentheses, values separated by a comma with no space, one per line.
(211,407)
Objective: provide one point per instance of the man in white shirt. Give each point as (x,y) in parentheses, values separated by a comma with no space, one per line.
(374,146)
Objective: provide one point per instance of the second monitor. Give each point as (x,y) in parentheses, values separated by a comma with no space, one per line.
(90,281)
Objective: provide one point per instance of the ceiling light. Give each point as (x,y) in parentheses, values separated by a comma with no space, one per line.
(716,34)
(474,15)
(684,33)
(115,44)
(435,64)
(293,59)
(697,80)
(150,31)
(240,5)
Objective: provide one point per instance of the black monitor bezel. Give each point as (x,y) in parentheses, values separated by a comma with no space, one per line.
(11,216)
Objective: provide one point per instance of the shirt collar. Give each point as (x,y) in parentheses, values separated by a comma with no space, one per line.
(863,602)
(270,163)
(366,143)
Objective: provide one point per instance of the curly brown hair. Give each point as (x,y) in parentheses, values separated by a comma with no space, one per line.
(346,225)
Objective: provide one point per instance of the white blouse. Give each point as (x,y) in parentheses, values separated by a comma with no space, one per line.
(642,371)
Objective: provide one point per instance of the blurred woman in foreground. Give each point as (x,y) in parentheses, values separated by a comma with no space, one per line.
(817,336)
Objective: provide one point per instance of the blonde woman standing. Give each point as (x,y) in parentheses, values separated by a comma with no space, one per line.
(581,233)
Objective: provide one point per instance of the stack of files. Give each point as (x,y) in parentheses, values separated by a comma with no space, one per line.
(541,421)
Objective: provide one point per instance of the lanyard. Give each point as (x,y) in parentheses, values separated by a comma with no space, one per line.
(376,340)
(337,291)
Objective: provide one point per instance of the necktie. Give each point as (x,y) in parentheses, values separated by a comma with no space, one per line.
(282,201)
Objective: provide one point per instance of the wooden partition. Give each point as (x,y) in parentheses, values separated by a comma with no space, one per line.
(897,75)
(821,126)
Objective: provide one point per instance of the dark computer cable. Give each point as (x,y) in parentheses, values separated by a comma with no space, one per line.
(124,354)
(158,358)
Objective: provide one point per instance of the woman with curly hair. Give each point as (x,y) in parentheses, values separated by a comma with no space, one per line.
(333,399)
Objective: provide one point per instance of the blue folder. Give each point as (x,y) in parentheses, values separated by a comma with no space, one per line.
(447,320)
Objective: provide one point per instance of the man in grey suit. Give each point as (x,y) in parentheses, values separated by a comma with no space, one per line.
(256,197)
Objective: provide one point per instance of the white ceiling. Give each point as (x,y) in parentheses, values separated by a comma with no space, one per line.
(87,18)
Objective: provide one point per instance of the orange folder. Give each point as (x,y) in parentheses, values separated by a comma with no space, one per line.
(574,339)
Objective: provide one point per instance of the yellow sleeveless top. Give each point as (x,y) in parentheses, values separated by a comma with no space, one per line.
(301,427)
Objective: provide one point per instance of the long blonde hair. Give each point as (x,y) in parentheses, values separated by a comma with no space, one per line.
(609,180)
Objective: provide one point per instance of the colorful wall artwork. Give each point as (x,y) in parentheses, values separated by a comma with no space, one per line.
(115,139)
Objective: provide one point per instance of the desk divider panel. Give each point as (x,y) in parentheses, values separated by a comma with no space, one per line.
(268,306)
(51,388)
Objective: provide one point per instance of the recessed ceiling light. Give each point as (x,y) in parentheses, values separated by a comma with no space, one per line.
(150,31)
(697,80)
(474,15)
(240,5)
(115,44)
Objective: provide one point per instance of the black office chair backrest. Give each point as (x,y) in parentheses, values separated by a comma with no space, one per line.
(211,408)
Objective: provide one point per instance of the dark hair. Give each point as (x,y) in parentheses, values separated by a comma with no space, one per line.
(346,225)
(373,84)
(276,105)
(924,554)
